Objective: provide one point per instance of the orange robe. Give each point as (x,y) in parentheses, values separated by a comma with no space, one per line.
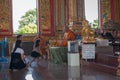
(69,35)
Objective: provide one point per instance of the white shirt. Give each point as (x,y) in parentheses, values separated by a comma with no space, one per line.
(19,50)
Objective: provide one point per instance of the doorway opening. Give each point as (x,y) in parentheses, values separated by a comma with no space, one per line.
(24,15)
(92,12)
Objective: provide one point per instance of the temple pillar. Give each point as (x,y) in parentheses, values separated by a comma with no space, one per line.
(71,12)
(116,11)
(80,10)
(67,11)
(59,12)
(75,11)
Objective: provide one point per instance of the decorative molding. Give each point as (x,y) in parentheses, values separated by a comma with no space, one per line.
(46,19)
(5,15)
(105,11)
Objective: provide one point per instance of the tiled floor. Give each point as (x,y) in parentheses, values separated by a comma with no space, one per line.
(50,71)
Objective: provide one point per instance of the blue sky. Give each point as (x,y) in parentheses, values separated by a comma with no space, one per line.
(21,6)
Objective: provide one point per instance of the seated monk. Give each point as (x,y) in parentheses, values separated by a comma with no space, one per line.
(68,35)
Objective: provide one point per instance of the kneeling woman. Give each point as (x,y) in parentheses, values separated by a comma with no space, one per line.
(36,53)
(17,57)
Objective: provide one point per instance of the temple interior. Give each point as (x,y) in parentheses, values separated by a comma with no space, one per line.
(71,49)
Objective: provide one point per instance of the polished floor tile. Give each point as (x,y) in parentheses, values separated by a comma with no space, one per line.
(46,70)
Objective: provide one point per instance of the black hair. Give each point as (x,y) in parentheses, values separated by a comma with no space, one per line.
(18,36)
(17,45)
(37,43)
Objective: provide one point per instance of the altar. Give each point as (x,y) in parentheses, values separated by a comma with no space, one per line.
(58,55)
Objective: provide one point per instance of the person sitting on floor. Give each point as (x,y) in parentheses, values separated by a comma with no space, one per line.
(17,57)
(36,53)
(43,45)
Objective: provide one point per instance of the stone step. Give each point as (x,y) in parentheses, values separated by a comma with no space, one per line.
(104,68)
(107,59)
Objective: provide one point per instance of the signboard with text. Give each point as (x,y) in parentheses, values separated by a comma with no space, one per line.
(88,51)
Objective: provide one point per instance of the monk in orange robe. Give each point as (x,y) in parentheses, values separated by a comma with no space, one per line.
(68,35)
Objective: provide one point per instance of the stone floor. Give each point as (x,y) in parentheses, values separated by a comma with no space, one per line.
(46,70)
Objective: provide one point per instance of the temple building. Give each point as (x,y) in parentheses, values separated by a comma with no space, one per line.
(71,49)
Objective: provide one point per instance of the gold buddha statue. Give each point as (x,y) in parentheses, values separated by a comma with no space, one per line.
(87,33)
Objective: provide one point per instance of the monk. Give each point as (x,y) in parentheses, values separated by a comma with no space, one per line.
(68,35)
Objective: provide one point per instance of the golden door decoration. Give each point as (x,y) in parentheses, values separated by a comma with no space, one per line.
(5,22)
(105,11)
(46,17)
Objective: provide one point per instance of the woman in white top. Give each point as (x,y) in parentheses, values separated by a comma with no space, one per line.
(17,57)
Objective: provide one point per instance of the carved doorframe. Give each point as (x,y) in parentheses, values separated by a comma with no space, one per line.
(6,18)
(46,17)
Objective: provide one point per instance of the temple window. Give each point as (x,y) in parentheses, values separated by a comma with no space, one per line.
(92,12)
(24,16)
